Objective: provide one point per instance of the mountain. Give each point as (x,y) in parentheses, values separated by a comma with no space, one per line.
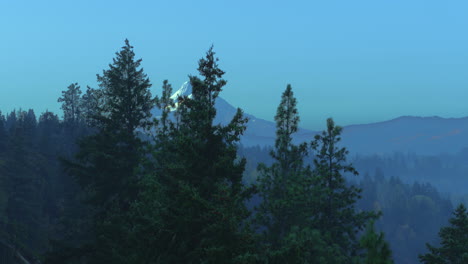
(420,135)
(259,131)
(408,134)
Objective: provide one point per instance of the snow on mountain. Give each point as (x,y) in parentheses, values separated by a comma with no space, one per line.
(421,135)
(185,90)
(259,131)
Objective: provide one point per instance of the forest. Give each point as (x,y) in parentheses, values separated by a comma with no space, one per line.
(106,181)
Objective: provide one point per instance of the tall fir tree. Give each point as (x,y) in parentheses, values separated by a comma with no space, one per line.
(377,250)
(205,220)
(335,213)
(146,234)
(107,164)
(454,241)
(3,134)
(71,107)
(115,151)
(10,122)
(25,181)
(285,190)
(89,105)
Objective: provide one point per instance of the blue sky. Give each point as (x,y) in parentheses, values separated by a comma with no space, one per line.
(356,61)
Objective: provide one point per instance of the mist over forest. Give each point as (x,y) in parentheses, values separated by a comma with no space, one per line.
(122,175)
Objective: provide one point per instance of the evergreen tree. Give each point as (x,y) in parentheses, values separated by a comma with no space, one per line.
(454,241)
(49,132)
(377,249)
(10,122)
(24,179)
(3,168)
(285,190)
(70,100)
(163,125)
(50,142)
(3,134)
(107,164)
(89,104)
(146,235)
(335,213)
(29,127)
(205,219)
(126,98)
(115,151)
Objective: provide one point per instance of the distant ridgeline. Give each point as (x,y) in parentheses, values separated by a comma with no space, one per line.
(407,134)
(86,188)
(389,186)
(29,160)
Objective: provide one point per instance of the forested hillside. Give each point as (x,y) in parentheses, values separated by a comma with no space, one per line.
(109,182)
(406,203)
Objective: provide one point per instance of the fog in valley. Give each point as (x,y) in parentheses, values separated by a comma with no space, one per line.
(243,132)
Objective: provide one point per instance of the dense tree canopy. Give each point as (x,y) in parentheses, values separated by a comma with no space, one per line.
(111,183)
(285,188)
(336,213)
(198,165)
(107,162)
(454,241)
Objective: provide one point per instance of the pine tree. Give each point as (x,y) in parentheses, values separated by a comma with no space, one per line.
(285,189)
(70,100)
(145,232)
(3,134)
(114,152)
(89,105)
(3,177)
(335,213)
(4,190)
(377,249)
(10,122)
(24,223)
(107,166)
(29,127)
(206,213)
(454,241)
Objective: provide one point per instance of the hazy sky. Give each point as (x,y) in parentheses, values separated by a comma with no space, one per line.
(356,61)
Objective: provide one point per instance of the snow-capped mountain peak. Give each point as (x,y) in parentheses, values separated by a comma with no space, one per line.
(184,90)
(259,132)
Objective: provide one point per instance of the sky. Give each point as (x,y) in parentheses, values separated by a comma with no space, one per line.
(359,61)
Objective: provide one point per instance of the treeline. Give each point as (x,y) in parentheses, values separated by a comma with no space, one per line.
(446,171)
(131,188)
(412,213)
(34,191)
(406,205)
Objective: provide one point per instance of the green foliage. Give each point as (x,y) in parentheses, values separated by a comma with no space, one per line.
(454,241)
(305,245)
(125,98)
(3,134)
(197,167)
(113,153)
(308,216)
(25,185)
(180,197)
(377,249)
(107,164)
(406,209)
(70,100)
(89,106)
(284,187)
(335,212)
(27,211)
